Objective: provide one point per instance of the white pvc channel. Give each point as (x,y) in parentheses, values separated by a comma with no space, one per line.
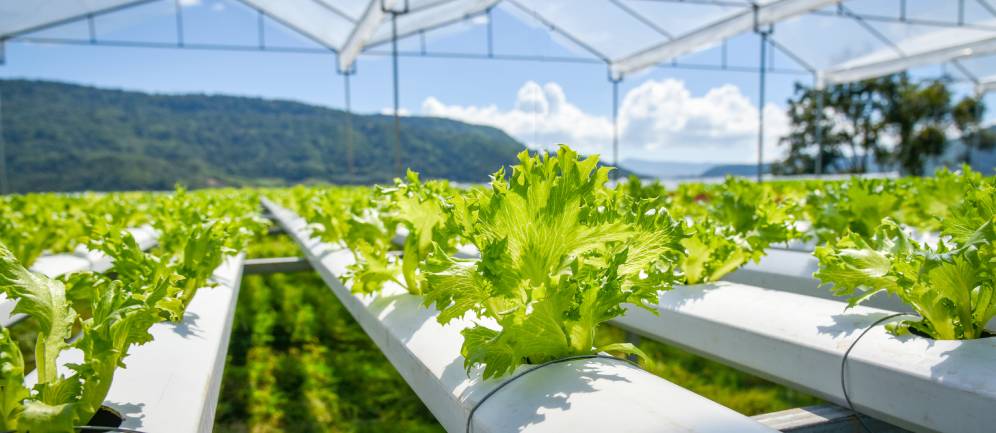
(794,332)
(913,382)
(593,395)
(171,384)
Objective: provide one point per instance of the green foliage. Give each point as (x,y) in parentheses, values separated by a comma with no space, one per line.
(951,286)
(558,258)
(109,315)
(51,223)
(117,140)
(297,362)
(728,224)
(856,117)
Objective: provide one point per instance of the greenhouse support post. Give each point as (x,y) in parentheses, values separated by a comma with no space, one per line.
(349,121)
(818,92)
(760,106)
(615,125)
(394,69)
(978,124)
(3,150)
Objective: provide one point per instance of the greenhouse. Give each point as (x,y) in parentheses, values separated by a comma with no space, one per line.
(314,256)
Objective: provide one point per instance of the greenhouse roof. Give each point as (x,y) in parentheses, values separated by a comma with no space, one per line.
(837,40)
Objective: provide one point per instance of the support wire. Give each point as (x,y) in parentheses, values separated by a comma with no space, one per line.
(3,155)
(615,125)
(397,107)
(349,125)
(765,34)
(818,92)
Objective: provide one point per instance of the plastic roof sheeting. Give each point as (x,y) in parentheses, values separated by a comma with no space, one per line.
(427,17)
(926,48)
(841,40)
(19,16)
(313,18)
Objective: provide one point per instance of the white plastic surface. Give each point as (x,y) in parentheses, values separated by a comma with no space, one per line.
(362,31)
(172,383)
(18,16)
(308,17)
(913,382)
(578,396)
(931,48)
(708,35)
(430,18)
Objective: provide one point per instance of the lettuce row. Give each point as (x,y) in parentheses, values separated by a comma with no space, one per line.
(111,315)
(951,286)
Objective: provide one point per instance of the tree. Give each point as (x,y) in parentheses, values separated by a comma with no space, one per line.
(917,115)
(856,116)
(806,133)
(857,107)
(967,116)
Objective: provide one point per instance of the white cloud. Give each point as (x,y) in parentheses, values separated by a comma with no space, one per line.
(189,3)
(657,119)
(663,118)
(541,118)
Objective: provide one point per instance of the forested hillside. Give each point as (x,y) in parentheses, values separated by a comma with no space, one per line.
(64,137)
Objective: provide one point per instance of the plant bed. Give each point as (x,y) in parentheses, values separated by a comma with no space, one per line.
(171,384)
(54,265)
(581,395)
(792,271)
(910,381)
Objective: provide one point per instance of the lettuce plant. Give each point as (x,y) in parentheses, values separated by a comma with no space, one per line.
(951,286)
(558,257)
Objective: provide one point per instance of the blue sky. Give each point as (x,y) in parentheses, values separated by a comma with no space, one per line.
(697,115)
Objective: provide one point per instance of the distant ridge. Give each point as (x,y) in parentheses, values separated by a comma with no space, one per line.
(66,137)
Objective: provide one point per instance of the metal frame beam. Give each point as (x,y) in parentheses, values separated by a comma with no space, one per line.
(985,85)
(275,265)
(362,31)
(708,35)
(401,53)
(441,15)
(888,60)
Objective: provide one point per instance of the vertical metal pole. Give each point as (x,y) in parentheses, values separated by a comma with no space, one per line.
(818,93)
(978,124)
(261,30)
(491,46)
(92,27)
(615,126)
(179,24)
(760,108)
(3,151)
(961,12)
(349,126)
(723,58)
(397,103)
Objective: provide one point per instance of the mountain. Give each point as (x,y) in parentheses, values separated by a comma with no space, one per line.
(746,170)
(666,169)
(983,161)
(65,137)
